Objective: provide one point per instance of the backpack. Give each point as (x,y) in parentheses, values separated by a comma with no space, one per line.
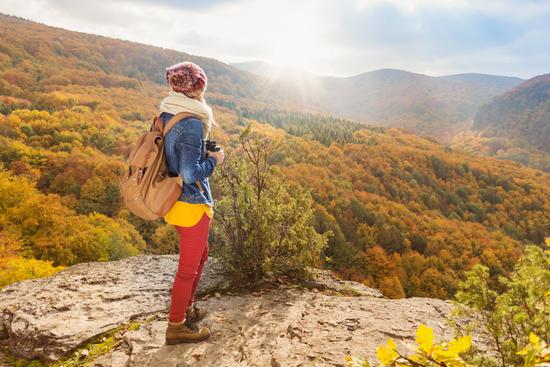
(146,189)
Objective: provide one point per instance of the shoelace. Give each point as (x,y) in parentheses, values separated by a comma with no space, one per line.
(195,312)
(191,325)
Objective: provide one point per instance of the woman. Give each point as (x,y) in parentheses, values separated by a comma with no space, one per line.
(186,155)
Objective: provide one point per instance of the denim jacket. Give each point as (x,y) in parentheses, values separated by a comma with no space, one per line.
(185,149)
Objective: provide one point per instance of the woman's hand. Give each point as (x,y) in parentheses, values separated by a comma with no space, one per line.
(218,156)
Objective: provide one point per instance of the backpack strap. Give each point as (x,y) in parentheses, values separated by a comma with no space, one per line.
(174,120)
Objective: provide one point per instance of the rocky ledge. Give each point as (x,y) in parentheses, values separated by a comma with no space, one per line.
(280,325)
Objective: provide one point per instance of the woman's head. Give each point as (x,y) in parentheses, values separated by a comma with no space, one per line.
(187,78)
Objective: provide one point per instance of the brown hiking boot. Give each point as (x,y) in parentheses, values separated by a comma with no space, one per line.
(185,333)
(195,314)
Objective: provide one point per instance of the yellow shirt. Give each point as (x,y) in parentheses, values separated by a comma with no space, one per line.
(186,214)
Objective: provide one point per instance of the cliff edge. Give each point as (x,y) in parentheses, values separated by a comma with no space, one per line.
(283,324)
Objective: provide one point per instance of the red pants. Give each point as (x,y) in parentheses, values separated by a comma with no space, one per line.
(193,256)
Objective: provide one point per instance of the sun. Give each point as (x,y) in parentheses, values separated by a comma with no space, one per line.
(294,40)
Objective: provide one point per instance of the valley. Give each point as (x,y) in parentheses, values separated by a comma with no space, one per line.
(409,215)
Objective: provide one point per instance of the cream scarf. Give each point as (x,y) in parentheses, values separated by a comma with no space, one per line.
(179,102)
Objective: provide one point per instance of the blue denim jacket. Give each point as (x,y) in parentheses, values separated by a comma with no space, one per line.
(185,149)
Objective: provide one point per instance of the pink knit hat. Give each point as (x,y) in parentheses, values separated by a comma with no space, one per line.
(187,78)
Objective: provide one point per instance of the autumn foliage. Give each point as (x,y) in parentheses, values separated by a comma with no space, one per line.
(408,215)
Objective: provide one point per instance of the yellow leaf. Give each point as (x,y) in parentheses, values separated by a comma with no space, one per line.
(425,338)
(460,345)
(391,344)
(524,351)
(534,339)
(387,354)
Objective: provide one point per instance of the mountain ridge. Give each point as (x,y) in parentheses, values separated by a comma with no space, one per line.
(259,64)
(424,105)
(429,105)
(522,113)
(390,197)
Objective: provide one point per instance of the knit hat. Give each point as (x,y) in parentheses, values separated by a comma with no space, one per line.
(187,78)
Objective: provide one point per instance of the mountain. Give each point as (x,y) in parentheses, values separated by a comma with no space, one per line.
(441,107)
(434,106)
(420,103)
(428,105)
(57,57)
(521,114)
(121,308)
(495,81)
(409,216)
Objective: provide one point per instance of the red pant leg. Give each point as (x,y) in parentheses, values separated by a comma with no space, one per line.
(204,259)
(193,241)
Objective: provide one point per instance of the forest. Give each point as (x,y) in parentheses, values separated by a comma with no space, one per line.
(409,215)
(515,125)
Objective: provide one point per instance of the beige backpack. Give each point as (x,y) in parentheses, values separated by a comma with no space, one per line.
(146,188)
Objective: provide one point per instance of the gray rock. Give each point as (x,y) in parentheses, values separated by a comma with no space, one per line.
(280,326)
(47,318)
(274,330)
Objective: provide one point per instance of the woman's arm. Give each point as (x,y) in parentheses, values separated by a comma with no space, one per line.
(188,148)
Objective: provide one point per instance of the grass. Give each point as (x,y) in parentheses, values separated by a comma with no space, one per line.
(95,348)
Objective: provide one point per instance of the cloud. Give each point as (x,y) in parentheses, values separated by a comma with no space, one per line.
(430,30)
(190,4)
(338,37)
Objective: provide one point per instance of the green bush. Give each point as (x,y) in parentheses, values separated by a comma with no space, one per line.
(510,316)
(263,229)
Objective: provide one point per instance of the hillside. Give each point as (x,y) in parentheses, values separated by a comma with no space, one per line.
(441,107)
(122,310)
(514,126)
(521,114)
(409,216)
(422,104)
(495,81)
(434,106)
(56,58)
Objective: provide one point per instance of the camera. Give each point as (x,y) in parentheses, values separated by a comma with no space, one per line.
(211,146)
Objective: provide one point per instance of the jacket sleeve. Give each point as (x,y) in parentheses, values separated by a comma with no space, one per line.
(188,147)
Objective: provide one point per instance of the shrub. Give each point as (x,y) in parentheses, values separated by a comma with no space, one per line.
(165,240)
(510,316)
(263,230)
(18,268)
(427,353)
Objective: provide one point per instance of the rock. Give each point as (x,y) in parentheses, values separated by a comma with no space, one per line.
(274,362)
(286,337)
(116,358)
(325,280)
(279,326)
(47,318)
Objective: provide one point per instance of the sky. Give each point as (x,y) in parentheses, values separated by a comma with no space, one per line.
(326,37)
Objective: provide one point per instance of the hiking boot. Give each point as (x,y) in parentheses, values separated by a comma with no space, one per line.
(185,333)
(195,314)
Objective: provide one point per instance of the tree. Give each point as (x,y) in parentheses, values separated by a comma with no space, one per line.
(263,229)
(391,287)
(513,314)
(165,240)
